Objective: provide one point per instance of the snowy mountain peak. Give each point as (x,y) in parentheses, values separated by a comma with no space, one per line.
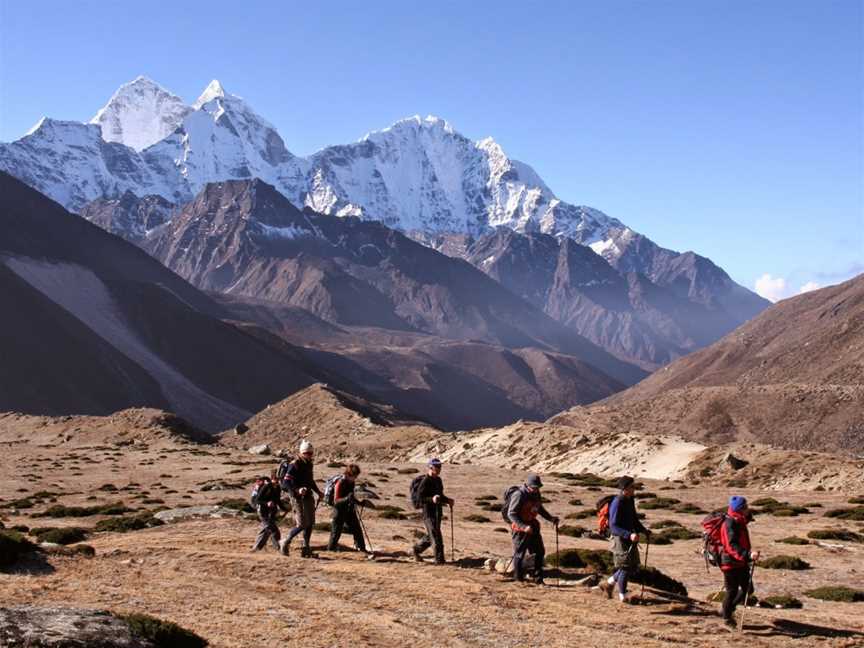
(140,113)
(36,126)
(214,90)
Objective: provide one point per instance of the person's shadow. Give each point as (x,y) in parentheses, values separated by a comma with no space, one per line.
(797,630)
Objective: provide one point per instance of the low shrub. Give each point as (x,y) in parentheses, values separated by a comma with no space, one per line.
(581,515)
(659,503)
(127,523)
(237,504)
(485,498)
(794,540)
(782,601)
(12,546)
(836,593)
(676,533)
(61,535)
(644,495)
(474,517)
(575,502)
(572,531)
(692,509)
(844,535)
(568,558)
(653,577)
(321,527)
(854,513)
(784,562)
(407,471)
(163,634)
(664,524)
(391,513)
(59,510)
(857,500)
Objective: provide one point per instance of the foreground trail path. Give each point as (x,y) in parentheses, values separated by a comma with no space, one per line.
(200,574)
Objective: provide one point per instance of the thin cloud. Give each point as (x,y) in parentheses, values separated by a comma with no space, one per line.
(807,287)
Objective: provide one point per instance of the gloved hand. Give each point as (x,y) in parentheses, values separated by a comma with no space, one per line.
(555,520)
(526,530)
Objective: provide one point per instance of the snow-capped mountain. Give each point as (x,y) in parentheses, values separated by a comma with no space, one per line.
(140,113)
(419,175)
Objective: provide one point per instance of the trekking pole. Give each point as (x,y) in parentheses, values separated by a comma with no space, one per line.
(645,566)
(452,537)
(363,529)
(746,597)
(557,558)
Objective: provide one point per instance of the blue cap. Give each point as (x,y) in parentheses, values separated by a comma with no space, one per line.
(737,503)
(434,462)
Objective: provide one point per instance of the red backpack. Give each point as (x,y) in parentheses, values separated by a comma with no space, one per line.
(712,539)
(603,505)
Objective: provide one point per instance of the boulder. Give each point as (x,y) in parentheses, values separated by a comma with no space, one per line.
(734,462)
(263,449)
(241,428)
(194,512)
(55,627)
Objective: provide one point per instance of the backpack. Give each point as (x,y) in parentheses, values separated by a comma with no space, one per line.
(257,489)
(415,491)
(282,472)
(603,505)
(712,539)
(330,489)
(505,503)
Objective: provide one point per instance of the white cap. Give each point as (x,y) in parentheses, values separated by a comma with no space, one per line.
(305,446)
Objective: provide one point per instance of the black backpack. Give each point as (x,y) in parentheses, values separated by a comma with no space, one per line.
(505,505)
(415,491)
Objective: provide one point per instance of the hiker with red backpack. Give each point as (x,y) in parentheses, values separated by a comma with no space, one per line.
(736,557)
(298,480)
(522,505)
(267,500)
(625,527)
(427,493)
(344,505)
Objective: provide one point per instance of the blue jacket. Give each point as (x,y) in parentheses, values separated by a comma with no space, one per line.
(622,517)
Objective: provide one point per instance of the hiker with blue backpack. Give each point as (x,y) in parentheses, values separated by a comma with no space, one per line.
(427,494)
(297,479)
(521,506)
(266,498)
(624,527)
(339,493)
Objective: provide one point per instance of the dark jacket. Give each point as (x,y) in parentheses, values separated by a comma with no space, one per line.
(270,498)
(524,508)
(623,519)
(300,475)
(735,537)
(429,488)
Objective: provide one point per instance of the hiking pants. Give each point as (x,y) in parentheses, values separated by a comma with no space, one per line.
(736,582)
(625,557)
(304,517)
(432,522)
(524,543)
(345,516)
(269,529)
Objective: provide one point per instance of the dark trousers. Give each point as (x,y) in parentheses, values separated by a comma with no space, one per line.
(269,529)
(432,522)
(524,543)
(737,583)
(345,517)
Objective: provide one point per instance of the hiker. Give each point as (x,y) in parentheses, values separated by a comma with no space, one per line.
(300,484)
(268,499)
(432,500)
(345,511)
(523,506)
(736,557)
(625,527)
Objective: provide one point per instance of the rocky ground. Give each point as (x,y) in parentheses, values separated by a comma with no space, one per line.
(199,572)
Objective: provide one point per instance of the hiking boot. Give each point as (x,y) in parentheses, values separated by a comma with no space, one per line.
(417,556)
(730,624)
(607,588)
(440,561)
(285,546)
(538,580)
(370,555)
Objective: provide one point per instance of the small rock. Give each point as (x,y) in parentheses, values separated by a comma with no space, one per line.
(192,512)
(263,449)
(241,428)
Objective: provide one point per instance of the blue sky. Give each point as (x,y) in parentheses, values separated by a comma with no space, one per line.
(734,129)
